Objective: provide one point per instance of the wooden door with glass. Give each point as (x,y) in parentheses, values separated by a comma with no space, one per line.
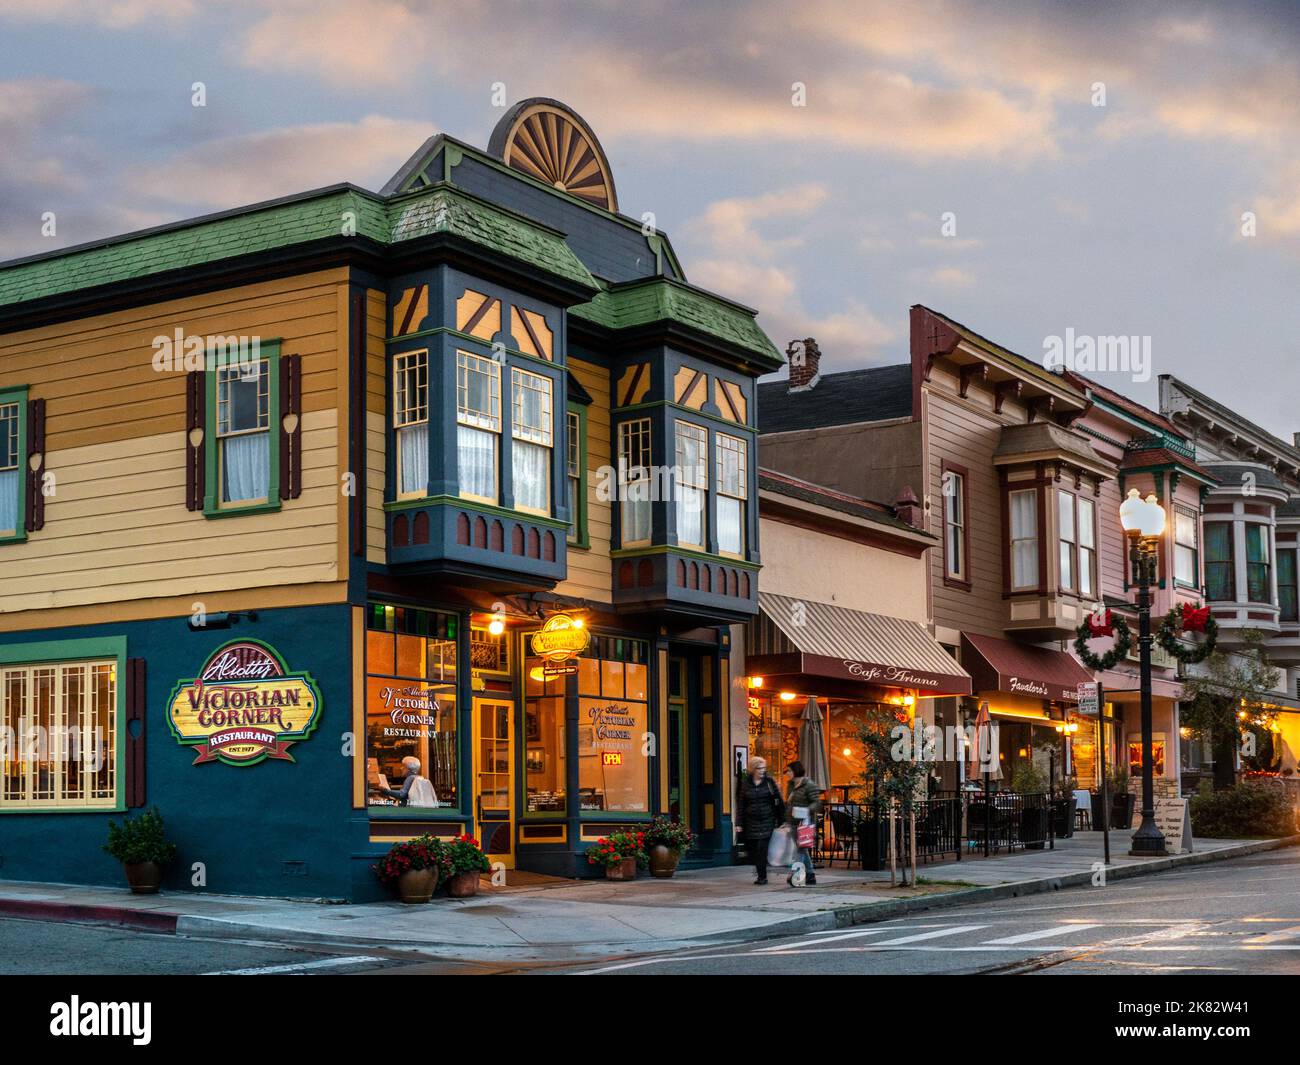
(494,778)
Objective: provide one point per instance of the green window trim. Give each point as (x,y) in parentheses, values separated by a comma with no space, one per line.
(579,536)
(212,506)
(19,395)
(35,654)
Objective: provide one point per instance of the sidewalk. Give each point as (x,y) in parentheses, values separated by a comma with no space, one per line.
(549,919)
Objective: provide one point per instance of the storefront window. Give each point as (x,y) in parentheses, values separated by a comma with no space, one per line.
(545,768)
(613,719)
(411,707)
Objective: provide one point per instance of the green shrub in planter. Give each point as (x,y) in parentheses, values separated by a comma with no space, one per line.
(1244,811)
(140,839)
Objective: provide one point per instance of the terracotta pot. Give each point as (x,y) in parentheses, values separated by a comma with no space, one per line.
(417,885)
(624,870)
(462,885)
(144,877)
(663,861)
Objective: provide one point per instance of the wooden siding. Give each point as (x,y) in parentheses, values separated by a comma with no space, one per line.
(116,527)
(589,568)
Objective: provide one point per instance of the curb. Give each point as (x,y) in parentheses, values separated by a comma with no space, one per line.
(819,921)
(84,913)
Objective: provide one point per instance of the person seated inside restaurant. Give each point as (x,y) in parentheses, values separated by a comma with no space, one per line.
(415,790)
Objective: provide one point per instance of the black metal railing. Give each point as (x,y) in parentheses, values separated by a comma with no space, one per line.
(946,827)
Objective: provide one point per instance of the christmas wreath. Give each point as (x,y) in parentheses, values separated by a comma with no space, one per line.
(1182,619)
(1105,624)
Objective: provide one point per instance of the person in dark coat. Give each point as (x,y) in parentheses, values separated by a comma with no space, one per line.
(805,796)
(759,810)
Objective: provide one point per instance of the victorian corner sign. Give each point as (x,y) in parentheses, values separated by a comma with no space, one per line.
(559,642)
(244,706)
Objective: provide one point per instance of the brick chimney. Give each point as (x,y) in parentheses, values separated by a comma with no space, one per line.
(805,358)
(908,507)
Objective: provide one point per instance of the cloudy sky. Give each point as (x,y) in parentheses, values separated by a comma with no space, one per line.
(1114,169)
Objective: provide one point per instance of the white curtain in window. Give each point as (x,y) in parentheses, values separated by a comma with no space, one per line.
(532,469)
(414,449)
(731,537)
(1024,540)
(636,514)
(478,461)
(9,492)
(246,467)
(690,515)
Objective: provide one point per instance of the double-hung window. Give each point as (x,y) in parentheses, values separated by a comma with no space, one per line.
(1185,547)
(478,425)
(411,422)
(1023,527)
(1078,543)
(533,434)
(1220,576)
(1287,599)
(692,482)
(732,481)
(1259,588)
(576,496)
(634,482)
(1087,523)
(1066,531)
(11,472)
(244,432)
(954,525)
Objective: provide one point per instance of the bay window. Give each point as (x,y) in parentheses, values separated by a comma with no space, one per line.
(478,425)
(532,433)
(1077,533)
(732,481)
(1220,576)
(692,483)
(634,482)
(1066,533)
(1259,588)
(1023,527)
(244,432)
(1087,525)
(1185,547)
(411,422)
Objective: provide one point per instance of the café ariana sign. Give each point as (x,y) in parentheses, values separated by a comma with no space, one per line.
(244,706)
(558,642)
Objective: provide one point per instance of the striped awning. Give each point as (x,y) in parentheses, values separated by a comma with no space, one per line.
(819,640)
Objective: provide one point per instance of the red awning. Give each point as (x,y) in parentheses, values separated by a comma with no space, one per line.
(1021,669)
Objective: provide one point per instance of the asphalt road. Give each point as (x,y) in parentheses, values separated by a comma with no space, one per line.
(1239,916)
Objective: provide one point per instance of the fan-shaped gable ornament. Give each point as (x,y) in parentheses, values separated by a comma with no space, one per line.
(550,142)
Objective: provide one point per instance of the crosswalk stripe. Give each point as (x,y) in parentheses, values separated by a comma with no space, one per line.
(1042,933)
(1272,938)
(823,939)
(296,967)
(936,934)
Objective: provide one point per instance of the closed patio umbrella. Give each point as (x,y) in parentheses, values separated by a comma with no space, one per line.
(812,745)
(983,746)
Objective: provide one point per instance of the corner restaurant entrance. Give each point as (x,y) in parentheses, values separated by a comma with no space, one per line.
(494,787)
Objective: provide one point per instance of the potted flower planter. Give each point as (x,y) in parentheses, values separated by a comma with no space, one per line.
(663,861)
(462,885)
(417,885)
(144,878)
(622,870)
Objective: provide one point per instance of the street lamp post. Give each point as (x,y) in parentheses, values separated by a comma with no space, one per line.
(1143,522)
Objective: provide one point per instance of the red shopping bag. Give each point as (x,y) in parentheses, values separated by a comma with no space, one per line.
(806,837)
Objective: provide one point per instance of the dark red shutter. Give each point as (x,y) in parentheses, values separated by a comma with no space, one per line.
(196,414)
(35,517)
(135,733)
(291,442)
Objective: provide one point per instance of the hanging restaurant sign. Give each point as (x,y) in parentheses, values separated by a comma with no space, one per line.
(558,642)
(244,706)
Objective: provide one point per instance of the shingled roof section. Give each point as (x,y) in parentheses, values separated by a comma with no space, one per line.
(1128,406)
(874,394)
(1230,472)
(660,299)
(1150,457)
(795,488)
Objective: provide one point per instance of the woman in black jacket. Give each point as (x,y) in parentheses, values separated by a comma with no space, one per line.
(759,810)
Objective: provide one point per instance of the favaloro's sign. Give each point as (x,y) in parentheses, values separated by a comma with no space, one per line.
(244,706)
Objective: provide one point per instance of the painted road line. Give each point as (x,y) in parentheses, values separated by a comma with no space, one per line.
(298,967)
(1042,933)
(1270,939)
(936,934)
(824,939)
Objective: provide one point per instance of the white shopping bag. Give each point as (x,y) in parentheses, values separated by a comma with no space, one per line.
(781,848)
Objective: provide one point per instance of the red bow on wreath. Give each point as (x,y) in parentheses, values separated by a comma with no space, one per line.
(1194,620)
(1104,627)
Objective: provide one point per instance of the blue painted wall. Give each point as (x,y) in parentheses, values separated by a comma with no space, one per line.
(243,823)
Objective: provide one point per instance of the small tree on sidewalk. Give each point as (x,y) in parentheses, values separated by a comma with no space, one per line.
(1234,682)
(894,769)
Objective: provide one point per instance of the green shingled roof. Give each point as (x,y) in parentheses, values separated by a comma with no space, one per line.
(662,299)
(316,216)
